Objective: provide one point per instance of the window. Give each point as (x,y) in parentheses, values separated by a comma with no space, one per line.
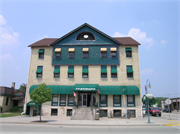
(85,53)
(113,71)
(128,52)
(113,52)
(41,53)
(58,53)
(69,112)
(116,113)
(103,71)
(103,52)
(71,72)
(103,113)
(7,100)
(54,112)
(54,100)
(56,71)
(62,100)
(103,100)
(70,100)
(85,72)
(71,53)
(39,71)
(132,113)
(85,36)
(116,100)
(130,101)
(129,72)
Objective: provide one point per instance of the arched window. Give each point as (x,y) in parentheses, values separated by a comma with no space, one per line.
(85,36)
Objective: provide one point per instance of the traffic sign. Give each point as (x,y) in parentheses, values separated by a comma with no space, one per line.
(168,101)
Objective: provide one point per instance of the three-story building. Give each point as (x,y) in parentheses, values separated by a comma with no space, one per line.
(101,71)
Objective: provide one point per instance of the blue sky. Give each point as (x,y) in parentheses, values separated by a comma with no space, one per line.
(155,24)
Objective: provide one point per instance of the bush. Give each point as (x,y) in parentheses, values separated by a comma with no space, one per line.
(16,109)
(1,109)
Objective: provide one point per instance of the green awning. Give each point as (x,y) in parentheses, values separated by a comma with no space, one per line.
(85,71)
(41,51)
(128,49)
(32,103)
(70,70)
(110,90)
(39,71)
(131,90)
(86,87)
(113,70)
(56,71)
(103,70)
(56,89)
(129,70)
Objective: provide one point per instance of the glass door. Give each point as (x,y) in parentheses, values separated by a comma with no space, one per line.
(84,100)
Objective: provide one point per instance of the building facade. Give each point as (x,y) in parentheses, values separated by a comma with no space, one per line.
(100,70)
(174,106)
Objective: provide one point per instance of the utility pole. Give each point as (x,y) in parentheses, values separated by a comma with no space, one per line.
(169,107)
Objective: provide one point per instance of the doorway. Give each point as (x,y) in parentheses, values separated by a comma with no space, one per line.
(84,100)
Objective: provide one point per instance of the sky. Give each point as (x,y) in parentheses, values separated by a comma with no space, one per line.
(154,24)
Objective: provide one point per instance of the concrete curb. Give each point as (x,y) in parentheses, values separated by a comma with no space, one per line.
(61,124)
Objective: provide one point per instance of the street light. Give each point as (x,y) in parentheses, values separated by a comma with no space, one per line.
(149,96)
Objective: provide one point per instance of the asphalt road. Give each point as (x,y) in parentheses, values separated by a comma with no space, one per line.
(53,129)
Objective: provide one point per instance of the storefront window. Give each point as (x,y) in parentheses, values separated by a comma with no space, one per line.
(62,100)
(116,100)
(131,101)
(103,100)
(70,100)
(55,100)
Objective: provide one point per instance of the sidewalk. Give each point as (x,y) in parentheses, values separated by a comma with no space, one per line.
(56,120)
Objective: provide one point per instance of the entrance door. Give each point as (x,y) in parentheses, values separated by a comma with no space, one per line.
(84,100)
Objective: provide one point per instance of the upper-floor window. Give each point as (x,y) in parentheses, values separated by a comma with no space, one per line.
(129,72)
(39,71)
(113,71)
(85,72)
(85,36)
(128,52)
(103,71)
(104,52)
(58,53)
(71,53)
(41,53)
(71,72)
(56,71)
(85,53)
(113,52)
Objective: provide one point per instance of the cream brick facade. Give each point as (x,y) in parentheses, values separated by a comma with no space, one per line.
(93,78)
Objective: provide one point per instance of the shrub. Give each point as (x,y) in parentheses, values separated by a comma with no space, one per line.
(16,109)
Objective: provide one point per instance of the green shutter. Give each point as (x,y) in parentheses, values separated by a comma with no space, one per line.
(41,51)
(129,70)
(56,71)
(128,49)
(103,70)
(39,71)
(70,70)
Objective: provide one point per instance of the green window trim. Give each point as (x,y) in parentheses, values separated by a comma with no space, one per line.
(129,70)
(131,104)
(39,71)
(56,69)
(62,103)
(115,104)
(85,69)
(103,69)
(70,103)
(113,69)
(128,49)
(41,51)
(71,69)
(105,103)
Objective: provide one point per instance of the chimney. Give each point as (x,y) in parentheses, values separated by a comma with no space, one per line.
(13,85)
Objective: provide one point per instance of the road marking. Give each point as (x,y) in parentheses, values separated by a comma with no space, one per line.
(173,123)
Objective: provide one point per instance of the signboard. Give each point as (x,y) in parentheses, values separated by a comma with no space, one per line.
(168,101)
(85,89)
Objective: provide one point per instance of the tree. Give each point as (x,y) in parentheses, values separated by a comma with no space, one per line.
(41,94)
(22,89)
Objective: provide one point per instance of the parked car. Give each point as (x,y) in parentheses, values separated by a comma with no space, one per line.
(166,110)
(154,111)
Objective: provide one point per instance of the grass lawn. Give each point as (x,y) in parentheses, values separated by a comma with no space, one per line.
(2,115)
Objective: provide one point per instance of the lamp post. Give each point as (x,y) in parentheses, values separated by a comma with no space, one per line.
(149,96)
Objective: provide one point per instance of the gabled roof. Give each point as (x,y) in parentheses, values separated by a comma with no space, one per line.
(44,42)
(85,24)
(127,41)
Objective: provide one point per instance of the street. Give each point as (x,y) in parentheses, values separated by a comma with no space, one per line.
(53,129)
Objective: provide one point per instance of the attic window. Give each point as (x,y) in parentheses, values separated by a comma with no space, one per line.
(85,36)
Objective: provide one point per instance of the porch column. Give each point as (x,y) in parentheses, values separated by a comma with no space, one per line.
(172,105)
(177,106)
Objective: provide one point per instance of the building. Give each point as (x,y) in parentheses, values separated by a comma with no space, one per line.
(174,106)
(9,98)
(101,71)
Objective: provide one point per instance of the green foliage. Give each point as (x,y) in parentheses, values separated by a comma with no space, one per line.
(16,109)
(41,94)
(2,115)
(154,100)
(22,89)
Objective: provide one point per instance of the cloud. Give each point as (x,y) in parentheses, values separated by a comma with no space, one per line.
(8,37)
(2,20)
(7,57)
(137,35)
(147,71)
(155,21)
(117,34)
(163,41)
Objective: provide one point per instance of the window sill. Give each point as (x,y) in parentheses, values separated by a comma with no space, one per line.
(130,78)
(129,57)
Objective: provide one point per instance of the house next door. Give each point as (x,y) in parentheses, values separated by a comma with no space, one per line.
(84,100)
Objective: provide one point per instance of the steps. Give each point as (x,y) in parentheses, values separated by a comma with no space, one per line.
(83,113)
